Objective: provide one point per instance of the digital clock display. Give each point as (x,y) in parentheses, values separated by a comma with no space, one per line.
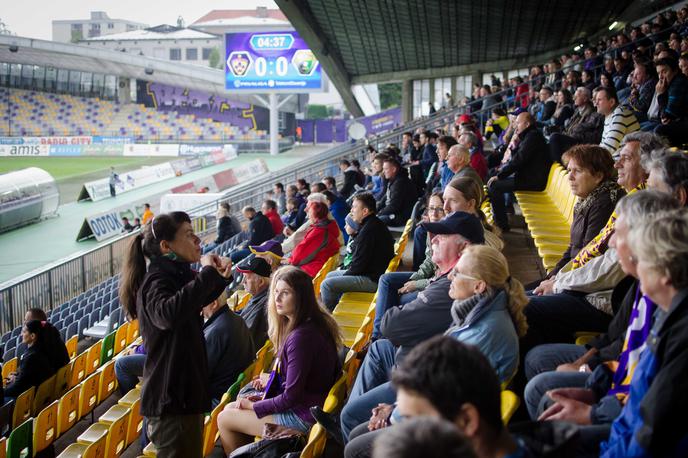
(270,62)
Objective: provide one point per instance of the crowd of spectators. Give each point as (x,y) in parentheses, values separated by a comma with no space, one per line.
(459,327)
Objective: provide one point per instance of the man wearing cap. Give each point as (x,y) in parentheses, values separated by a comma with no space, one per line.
(372,249)
(256,282)
(404,326)
(228,346)
(259,230)
(271,251)
(530,163)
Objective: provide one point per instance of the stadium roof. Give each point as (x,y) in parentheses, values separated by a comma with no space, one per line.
(392,40)
(69,56)
(163,32)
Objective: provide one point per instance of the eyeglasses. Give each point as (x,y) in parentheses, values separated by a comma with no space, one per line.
(435,210)
(455,274)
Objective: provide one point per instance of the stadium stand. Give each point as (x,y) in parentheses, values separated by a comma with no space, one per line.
(548,214)
(42,113)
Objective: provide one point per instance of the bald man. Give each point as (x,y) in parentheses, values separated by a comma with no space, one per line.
(526,171)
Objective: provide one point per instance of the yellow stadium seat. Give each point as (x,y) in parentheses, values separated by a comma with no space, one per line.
(88,396)
(3,447)
(62,380)
(93,357)
(133,331)
(44,395)
(22,407)
(116,433)
(121,338)
(92,450)
(68,410)
(45,428)
(9,367)
(108,381)
(128,399)
(149,450)
(510,403)
(71,344)
(78,372)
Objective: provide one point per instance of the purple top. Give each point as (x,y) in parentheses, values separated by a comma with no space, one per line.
(309,366)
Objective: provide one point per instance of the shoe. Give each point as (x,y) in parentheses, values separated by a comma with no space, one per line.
(361,354)
(329,422)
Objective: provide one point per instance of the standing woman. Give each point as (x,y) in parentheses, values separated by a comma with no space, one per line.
(306,340)
(167,297)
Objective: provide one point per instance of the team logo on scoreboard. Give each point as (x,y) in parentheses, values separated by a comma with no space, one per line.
(304,62)
(239,63)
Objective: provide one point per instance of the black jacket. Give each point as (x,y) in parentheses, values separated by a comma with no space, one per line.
(255,315)
(530,162)
(226,229)
(259,229)
(230,349)
(168,305)
(372,249)
(350,181)
(399,199)
(34,368)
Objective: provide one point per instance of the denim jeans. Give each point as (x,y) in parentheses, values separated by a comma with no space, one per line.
(238,255)
(546,358)
(128,369)
(371,387)
(545,381)
(388,297)
(361,441)
(336,284)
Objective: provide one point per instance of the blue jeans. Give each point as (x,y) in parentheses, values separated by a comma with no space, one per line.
(546,358)
(388,297)
(371,387)
(420,241)
(336,284)
(128,369)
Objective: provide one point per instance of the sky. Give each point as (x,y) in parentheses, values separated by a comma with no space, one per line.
(34,18)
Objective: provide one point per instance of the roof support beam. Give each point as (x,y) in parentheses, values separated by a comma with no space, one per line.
(301,18)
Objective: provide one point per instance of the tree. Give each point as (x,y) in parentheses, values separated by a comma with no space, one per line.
(316,112)
(214,58)
(390,95)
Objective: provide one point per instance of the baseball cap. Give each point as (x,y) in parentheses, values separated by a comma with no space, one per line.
(464,119)
(256,265)
(271,247)
(464,224)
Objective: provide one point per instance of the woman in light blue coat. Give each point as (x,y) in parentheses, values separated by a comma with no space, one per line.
(488,307)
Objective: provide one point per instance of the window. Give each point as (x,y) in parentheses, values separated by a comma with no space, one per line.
(175,54)
(191,54)
(463,87)
(206,53)
(111,25)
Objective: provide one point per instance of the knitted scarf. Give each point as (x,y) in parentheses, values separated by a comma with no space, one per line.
(461,309)
(606,187)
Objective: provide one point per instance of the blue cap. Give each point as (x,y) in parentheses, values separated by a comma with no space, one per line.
(464,224)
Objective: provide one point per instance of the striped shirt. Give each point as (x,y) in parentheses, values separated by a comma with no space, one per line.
(617,125)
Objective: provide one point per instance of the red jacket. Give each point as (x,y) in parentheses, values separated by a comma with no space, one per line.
(275,221)
(319,244)
(479,164)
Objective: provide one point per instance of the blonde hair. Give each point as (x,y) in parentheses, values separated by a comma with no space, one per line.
(490,266)
(306,308)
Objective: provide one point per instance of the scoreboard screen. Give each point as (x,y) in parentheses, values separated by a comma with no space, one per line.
(270,62)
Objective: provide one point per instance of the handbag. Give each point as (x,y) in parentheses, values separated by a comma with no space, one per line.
(277,441)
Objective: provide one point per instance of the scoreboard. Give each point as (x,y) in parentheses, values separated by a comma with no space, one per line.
(270,62)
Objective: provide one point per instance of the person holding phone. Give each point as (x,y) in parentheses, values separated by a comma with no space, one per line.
(167,296)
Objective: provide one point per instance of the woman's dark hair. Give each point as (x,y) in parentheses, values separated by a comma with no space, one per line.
(146,245)
(568,98)
(49,342)
(447,140)
(499,111)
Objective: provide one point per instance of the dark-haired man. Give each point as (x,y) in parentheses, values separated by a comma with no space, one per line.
(372,250)
(397,203)
(672,97)
(619,120)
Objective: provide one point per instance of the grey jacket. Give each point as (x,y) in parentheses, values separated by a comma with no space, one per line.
(428,315)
